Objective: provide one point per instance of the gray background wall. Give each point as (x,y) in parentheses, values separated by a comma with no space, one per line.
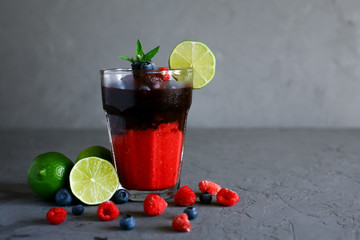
(280,63)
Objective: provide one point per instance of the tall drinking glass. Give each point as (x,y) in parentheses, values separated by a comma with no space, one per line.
(146,115)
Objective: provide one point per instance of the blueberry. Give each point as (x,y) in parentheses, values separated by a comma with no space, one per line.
(63,197)
(78,209)
(136,65)
(205,197)
(191,212)
(147,66)
(121,196)
(127,222)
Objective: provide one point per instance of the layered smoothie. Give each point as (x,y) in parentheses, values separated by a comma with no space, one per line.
(146,109)
(146,119)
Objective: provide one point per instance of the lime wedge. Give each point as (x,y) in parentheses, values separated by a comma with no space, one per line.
(93,180)
(195,55)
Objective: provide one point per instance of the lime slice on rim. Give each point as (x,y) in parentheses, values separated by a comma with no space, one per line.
(195,55)
(93,180)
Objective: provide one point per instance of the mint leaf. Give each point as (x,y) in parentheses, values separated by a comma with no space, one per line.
(132,60)
(140,56)
(147,57)
(139,50)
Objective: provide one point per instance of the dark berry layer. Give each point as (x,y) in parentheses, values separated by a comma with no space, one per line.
(144,108)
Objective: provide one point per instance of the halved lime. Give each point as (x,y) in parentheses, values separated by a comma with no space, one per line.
(95,151)
(195,55)
(93,180)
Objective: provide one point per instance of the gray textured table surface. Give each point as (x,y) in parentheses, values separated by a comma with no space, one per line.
(293,184)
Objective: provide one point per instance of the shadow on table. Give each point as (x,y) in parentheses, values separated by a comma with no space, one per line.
(165,229)
(15,191)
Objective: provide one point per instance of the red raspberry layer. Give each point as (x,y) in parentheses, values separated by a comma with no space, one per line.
(210,187)
(181,223)
(149,159)
(185,196)
(154,205)
(107,211)
(227,197)
(56,216)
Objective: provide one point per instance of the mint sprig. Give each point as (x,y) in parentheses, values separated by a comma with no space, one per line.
(140,56)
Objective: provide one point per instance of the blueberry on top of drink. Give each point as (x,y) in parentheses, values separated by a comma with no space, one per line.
(142,61)
(142,66)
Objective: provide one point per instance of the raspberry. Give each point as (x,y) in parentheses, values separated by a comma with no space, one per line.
(210,187)
(107,211)
(165,76)
(181,223)
(56,216)
(185,196)
(227,197)
(154,205)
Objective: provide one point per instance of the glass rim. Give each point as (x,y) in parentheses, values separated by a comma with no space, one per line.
(129,70)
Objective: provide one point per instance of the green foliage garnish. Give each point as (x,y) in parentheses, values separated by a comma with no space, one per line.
(140,56)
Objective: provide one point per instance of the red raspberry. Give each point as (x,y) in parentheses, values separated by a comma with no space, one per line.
(227,197)
(165,76)
(163,68)
(154,205)
(210,187)
(185,196)
(56,216)
(181,223)
(107,211)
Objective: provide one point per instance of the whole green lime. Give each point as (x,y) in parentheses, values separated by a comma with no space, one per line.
(95,151)
(48,173)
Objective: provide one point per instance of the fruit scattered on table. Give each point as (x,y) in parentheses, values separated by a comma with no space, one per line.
(121,196)
(205,198)
(63,197)
(107,211)
(93,180)
(191,212)
(154,205)
(78,209)
(127,222)
(227,197)
(181,223)
(48,173)
(56,216)
(185,196)
(43,180)
(209,186)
